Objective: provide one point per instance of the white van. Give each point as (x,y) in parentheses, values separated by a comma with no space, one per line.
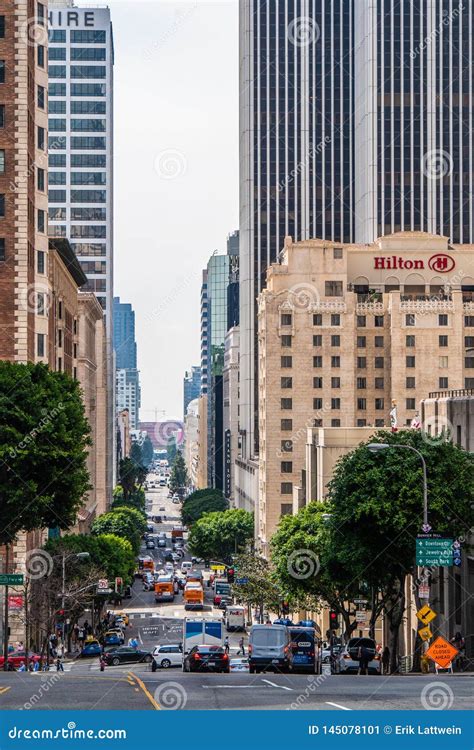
(235,618)
(185,566)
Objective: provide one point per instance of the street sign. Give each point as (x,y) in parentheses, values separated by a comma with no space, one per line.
(456,554)
(434,551)
(361,601)
(442,652)
(426,614)
(11,579)
(423,591)
(361,615)
(102,584)
(15,602)
(217,567)
(242,581)
(425,634)
(426,528)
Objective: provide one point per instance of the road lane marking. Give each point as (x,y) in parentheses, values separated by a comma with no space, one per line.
(4,689)
(344,708)
(233,687)
(140,682)
(273,684)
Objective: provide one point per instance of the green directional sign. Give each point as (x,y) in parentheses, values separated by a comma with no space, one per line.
(437,552)
(11,579)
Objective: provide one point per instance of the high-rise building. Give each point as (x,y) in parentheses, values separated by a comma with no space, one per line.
(233,288)
(128,394)
(204,333)
(191,387)
(356,120)
(81,60)
(125,344)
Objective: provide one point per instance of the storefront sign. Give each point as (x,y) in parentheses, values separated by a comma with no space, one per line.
(439,263)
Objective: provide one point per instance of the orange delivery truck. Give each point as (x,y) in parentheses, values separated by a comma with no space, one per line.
(164,589)
(193,595)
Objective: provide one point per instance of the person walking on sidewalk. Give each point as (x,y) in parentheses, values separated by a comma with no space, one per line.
(226,644)
(386,660)
(59,665)
(241,646)
(364,658)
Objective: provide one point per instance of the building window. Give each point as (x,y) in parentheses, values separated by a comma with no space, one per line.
(57,89)
(410,383)
(335,382)
(317,319)
(60,338)
(2,71)
(335,361)
(2,27)
(337,253)
(287,362)
(469,321)
(410,320)
(41,101)
(286,509)
(317,340)
(318,361)
(286,403)
(362,404)
(41,138)
(335,403)
(443,362)
(443,383)
(379,342)
(443,320)
(57,54)
(468,342)
(40,175)
(411,403)
(317,403)
(286,467)
(2,115)
(41,220)
(2,205)
(333,288)
(88,37)
(468,362)
(443,340)
(361,363)
(361,321)
(379,404)
(379,384)
(410,361)
(286,341)
(361,342)
(286,425)
(286,488)
(287,446)
(40,264)
(378,321)
(40,17)
(286,382)
(410,341)
(335,319)
(317,382)
(361,384)
(361,423)
(40,55)
(380,422)
(335,422)
(2,248)
(469,383)
(335,341)
(78,72)
(379,363)
(87,54)
(286,319)
(60,364)
(40,303)
(317,422)
(2,161)
(60,310)
(40,344)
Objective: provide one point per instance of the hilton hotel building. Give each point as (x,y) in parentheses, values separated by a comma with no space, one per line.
(348,331)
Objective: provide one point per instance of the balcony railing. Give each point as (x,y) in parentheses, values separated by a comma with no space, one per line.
(459,392)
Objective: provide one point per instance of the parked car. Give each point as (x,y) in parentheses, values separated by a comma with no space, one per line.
(283,621)
(15,658)
(206,658)
(112,638)
(168,655)
(239,665)
(91,648)
(126,655)
(348,660)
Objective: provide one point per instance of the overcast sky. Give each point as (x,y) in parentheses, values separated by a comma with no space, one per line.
(176,174)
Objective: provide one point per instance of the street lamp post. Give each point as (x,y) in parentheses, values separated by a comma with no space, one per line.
(379,447)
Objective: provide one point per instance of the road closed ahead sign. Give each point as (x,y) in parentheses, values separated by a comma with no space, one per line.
(442,652)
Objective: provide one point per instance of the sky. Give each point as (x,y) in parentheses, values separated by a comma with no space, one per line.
(176,175)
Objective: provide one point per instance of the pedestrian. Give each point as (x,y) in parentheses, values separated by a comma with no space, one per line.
(59,665)
(102,662)
(36,666)
(22,667)
(241,646)
(226,644)
(386,660)
(364,658)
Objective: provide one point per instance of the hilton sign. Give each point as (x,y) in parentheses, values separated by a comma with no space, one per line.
(439,263)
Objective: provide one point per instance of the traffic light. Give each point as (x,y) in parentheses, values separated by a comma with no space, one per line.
(118,585)
(230,575)
(333,620)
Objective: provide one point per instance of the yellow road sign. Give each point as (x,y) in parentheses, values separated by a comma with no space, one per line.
(217,567)
(425,634)
(426,614)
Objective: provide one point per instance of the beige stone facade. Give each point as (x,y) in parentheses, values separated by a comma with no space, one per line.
(201,471)
(123,434)
(349,333)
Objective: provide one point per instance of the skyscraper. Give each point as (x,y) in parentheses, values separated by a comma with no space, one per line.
(356,120)
(124,335)
(191,387)
(204,333)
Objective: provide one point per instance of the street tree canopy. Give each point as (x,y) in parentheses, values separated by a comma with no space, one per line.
(200,502)
(111,554)
(179,474)
(124,522)
(44,442)
(219,535)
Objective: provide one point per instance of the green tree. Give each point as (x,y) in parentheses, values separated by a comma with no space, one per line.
(377,511)
(136,454)
(200,502)
(136,499)
(171,450)
(220,535)
(44,441)
(262,589)
(179,474)
(125,522)
(147,451)
(111,554)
